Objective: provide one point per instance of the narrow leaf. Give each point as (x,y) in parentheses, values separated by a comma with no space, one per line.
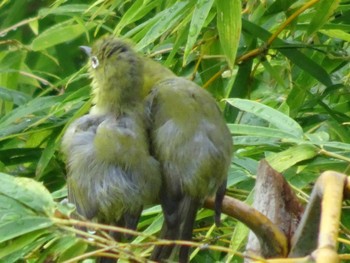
(286,159)
(275,117)
(139,9)
(20,243)
(58,34)
(22,226)
(279,6)
(254,140)
(260,131)
(47,155)
(291,52)
(17,97)
(166,19)
(336,33)
(229,27)
(324,9)
(199,16)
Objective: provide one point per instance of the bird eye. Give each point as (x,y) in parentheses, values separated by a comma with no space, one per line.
(94,62)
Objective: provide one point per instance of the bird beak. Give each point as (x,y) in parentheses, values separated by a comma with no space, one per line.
(86,49)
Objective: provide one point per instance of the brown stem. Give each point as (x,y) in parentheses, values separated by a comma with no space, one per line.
(256,221)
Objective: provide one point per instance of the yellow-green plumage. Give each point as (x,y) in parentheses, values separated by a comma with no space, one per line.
(111,173)
(179,123)
(191,141)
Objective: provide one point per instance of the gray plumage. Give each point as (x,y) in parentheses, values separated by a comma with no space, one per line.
(111,174)
(190,139)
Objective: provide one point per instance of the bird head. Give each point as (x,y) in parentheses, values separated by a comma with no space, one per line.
(116,70)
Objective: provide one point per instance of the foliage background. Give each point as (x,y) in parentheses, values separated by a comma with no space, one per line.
(292,66)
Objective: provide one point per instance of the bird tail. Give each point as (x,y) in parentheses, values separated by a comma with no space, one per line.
(219,197)
(179,218)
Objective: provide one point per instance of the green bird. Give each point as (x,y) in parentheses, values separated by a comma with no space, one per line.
(186,132)
(111,174)
(193,145)
(190,139)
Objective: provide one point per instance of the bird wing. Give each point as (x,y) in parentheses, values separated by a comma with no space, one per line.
(77,147)
(187,126)
(190,139)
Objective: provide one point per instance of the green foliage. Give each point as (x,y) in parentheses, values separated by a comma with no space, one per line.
(297,115)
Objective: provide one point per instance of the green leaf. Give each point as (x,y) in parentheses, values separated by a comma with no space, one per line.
(279,6)
(308,65)
(46,156)
(59,33)
(199,16)
(11,210)
(291,52)
(34,26)
(139,9)
(261,131)
(254,140)
(151,229)
(235,177)
(27,192)
(324,9)
(165,20)
(229,27)
(66,247)
(19,155)
(21,243)
(24,111)
(21,226)
(336,33)
(64,10)
(17,97)
(76,247)
(335,145)
(239,89)
(283,160)
(275,117)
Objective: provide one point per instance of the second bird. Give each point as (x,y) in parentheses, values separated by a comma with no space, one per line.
(111,173)
(190,139)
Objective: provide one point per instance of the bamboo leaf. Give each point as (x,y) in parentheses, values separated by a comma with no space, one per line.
(229,27)
(276,118)
(58,34)
(254,140)
(165,20)
(17,97)
(283,160)
(75,248)
(21,244)
(259,131)
(199,16)
(21,226)
(64,9)
(139,9)
(47,155)
(291,52)
(336,33)
(24,111)
(324,9)
(279,6)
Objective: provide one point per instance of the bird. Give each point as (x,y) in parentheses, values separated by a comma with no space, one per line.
(111,174)
(190,139)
